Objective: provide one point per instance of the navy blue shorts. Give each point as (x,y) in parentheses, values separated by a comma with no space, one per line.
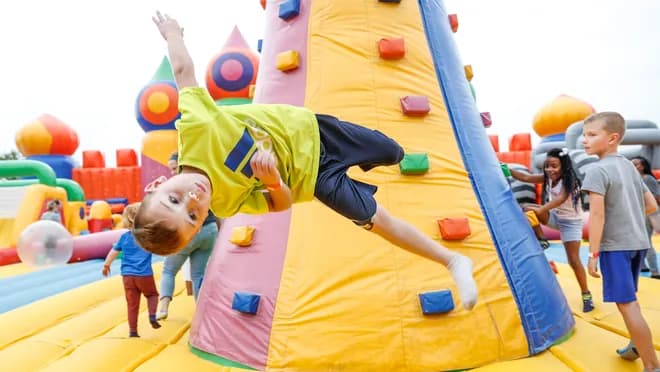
(344,145)
(621,274)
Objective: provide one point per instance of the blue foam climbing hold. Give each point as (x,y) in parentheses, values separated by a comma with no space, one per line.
(289,9)
(437,302)
(246,302)
(260,44)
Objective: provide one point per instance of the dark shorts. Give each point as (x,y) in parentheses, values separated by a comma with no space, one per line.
(621,274)
(344,145)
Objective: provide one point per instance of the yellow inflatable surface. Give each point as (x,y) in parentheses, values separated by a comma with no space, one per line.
(86,330)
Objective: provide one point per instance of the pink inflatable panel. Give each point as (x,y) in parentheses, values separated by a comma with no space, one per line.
(96,245)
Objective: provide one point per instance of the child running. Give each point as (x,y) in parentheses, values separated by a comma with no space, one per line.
(562,210)
(136,273)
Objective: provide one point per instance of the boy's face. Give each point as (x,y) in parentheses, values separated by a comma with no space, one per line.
(184,201)
(598,141)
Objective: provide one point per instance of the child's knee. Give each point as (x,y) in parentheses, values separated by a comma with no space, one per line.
(396,154)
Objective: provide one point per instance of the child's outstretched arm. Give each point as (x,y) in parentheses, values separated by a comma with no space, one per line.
(596,223)
(108,260)
(650,203)
(547,207)
(182,63)
(526,177)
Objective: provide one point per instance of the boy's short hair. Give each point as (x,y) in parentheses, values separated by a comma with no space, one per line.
(128,217)
(158,236)
(613,122)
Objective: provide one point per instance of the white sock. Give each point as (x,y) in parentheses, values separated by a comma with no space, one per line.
(460,268)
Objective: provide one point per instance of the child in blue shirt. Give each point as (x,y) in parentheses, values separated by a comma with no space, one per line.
(136,273)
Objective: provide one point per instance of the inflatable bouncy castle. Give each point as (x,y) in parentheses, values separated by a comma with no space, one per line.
(306,290)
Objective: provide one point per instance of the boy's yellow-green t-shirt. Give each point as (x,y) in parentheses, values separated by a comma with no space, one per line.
(220,140)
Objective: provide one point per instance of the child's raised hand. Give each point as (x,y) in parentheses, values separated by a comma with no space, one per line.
(166,25)
(264,167)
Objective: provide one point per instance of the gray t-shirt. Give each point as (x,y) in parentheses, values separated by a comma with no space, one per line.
(616,178)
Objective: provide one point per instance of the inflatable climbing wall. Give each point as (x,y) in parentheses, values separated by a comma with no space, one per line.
(311,291)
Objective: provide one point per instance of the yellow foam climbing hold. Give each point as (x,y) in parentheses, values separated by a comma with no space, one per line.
(242,235)
(289,60)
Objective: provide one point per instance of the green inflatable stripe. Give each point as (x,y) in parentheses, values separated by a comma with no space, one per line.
(28,168)
(44,173)
(232,101)
(218,359)
(73,190)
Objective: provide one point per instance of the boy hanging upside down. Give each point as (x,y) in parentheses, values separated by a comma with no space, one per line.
(260,158)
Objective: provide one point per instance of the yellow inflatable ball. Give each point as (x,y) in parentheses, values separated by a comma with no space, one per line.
(117,222)
(556,116)
(100,210)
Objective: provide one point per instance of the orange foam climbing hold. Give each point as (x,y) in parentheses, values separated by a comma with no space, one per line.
(453,22)
(454,228)
(391,48)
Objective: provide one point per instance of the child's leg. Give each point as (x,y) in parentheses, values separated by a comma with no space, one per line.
(573,255)
(538,231)
(536,226)
(200,256)
(640,334)
(406,236)
(171,267)
(147,286)
(132,294)
(344,145)
(570,231)
(543,217)
(620,271)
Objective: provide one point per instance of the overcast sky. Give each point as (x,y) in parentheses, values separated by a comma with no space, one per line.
(85,62)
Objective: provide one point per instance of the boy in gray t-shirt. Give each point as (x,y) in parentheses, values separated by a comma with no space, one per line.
(617,228)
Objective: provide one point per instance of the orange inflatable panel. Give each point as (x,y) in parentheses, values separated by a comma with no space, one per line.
(495,141)
(126,158)
(107,183)
(518,157)
(520,142)
(93,159)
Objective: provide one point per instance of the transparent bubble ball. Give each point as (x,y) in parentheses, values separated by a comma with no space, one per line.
(45,243)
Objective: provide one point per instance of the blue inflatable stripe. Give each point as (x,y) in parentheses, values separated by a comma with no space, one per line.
(45,276)
(554,138)
(24,289)
(545,315)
